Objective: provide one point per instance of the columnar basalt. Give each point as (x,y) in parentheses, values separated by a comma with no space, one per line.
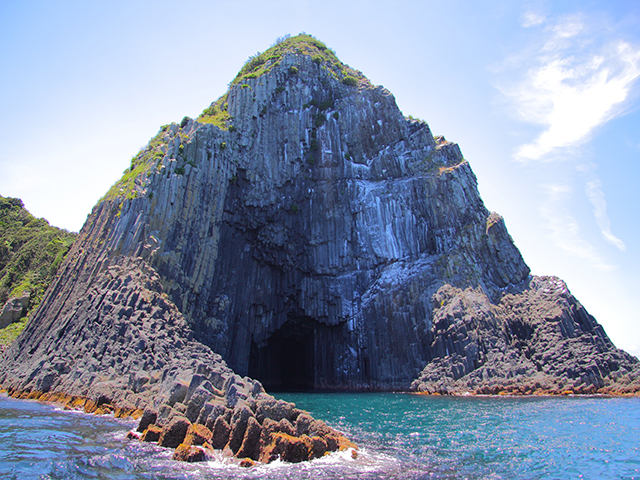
(313,238)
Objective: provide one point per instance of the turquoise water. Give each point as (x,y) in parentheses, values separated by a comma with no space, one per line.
(401,436)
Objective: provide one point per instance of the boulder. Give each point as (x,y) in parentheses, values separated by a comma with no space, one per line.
(189,453)
(220,436)
(151,434)
(14,309)
(174,433)
(197,434)
(148,417)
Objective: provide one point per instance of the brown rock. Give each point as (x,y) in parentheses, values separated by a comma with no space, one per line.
(288,448)
(246,463)
(221,431)
(148,417)
(238,426)
(174,433)
(251,443)
(319,447)
(188,453)
(198,434)
(151,434)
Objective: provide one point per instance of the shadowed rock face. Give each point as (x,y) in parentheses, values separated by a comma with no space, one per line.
(318,241)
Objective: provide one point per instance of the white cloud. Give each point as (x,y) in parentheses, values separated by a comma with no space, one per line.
(532,19)
(577,76)
(575,84)
(563,228)
(597,199)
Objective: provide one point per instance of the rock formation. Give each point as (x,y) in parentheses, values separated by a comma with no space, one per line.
(14,309)
(314,238)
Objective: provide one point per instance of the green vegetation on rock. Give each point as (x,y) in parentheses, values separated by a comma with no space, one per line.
(262,63)
(302,44)
(142,162)
(30,253)
(216,114)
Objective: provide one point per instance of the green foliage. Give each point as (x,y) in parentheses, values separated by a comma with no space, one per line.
(126,187)
(141,164)
(350,81)
(179,170)
(9,333)
(319,119)
(216,114)
(295,208)
(302,44)
(280,89)
(30,252)
(326,104)
(336,115)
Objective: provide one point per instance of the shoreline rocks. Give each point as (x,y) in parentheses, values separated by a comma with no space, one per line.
(295,437)
(535,339)
(138,358)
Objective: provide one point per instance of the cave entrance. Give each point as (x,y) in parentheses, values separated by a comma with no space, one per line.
(286,361)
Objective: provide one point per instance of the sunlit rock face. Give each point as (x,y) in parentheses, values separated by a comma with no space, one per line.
(315,238)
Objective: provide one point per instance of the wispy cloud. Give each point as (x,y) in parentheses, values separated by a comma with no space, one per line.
(574,84)
(563,228)
(532,18)
(577,75)
(597,199)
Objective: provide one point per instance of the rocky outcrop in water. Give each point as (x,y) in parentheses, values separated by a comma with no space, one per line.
(313,238)
(538,339)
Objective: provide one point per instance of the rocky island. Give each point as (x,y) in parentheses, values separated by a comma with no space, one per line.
(300,234)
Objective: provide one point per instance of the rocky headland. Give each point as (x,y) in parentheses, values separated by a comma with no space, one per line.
(300,234)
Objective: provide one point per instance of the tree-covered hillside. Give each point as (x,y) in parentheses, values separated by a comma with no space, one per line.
(30,253)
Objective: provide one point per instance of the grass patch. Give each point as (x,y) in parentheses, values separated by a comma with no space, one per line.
(303,44)
(217,114)
(142,163)
(9,333)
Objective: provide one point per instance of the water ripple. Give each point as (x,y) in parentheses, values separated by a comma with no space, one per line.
(401,436)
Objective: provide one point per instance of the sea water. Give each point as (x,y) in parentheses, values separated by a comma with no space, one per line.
(400,436)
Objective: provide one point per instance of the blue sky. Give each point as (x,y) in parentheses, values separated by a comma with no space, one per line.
(542,98)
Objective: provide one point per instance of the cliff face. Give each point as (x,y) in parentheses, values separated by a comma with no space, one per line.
(315,238)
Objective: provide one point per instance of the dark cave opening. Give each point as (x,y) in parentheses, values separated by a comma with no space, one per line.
(286,361)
